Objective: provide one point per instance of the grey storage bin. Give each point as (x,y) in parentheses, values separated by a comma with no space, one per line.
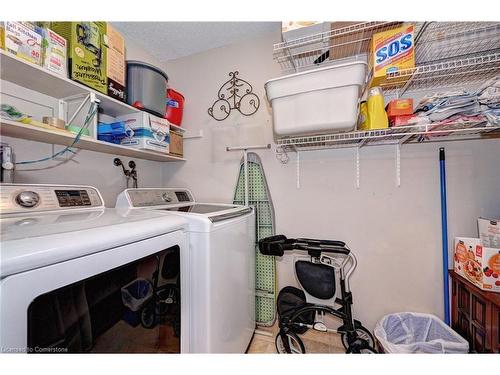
(146,87)
(408,332)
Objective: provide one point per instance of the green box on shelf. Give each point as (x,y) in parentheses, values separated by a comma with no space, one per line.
(86,52)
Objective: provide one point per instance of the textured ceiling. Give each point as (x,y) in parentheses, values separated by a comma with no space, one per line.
(171,40)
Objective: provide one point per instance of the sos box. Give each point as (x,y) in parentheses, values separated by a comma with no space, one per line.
(390,52)
(477,263)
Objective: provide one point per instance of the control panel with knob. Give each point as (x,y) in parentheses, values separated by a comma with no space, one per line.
(166,198)
(20,198)
(28,199)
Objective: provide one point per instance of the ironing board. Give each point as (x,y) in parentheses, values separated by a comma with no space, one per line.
(265,266)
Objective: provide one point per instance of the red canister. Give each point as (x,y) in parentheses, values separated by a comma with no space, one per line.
(175,107)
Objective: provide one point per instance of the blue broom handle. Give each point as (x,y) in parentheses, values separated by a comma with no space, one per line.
(444,228)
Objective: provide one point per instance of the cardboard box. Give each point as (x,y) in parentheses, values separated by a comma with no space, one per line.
(391,51)
(149,132)
(87,53)
(176,143)
(403,120)
(399,107)
(24,40)
(478,264)
(115,65)
(489,232)
(54,52)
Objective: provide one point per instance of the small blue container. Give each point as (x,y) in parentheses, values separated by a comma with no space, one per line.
(112,133)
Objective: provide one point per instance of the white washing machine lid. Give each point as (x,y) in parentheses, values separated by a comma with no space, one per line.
(206,217)
(203,217)
(37,240)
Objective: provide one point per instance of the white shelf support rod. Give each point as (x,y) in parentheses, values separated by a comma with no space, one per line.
(298,168)
(398,165)
(357,167)
(246,148)
(85,100)
(245,162)
(61,110)
(93,99)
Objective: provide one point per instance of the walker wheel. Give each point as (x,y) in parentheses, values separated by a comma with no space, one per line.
(148,315)
(362,333)
(296,346)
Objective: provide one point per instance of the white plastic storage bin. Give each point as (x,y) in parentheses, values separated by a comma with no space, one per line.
(318,101)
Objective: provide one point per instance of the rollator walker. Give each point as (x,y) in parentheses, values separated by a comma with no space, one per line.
(317,274)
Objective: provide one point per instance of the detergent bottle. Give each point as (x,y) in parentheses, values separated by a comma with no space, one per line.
(376,115)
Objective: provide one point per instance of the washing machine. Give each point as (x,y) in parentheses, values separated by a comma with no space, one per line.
(78,277)
(222,265)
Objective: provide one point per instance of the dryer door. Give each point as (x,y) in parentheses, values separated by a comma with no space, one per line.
(124,300)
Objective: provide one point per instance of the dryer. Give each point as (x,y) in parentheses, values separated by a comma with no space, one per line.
(222,265)
(67,263)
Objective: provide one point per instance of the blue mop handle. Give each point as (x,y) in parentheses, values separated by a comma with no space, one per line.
(444,229)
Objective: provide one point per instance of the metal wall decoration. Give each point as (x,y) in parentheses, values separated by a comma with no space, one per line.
(235,93)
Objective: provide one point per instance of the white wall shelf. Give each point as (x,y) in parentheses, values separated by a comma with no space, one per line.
(36,78)
(24,131)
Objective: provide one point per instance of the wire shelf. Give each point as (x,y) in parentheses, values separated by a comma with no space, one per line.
(452,73)
(447,54)
(459,130)
(441,41)
(320,49)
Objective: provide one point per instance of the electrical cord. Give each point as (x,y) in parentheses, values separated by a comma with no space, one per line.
(92,111)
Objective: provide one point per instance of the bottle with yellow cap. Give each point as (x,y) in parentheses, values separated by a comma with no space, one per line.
(376,117)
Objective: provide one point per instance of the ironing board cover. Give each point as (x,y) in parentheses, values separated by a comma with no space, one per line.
(265,266)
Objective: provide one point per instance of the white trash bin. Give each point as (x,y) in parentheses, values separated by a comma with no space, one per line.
(409,332)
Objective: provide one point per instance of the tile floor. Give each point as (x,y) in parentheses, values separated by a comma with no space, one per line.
(314,342)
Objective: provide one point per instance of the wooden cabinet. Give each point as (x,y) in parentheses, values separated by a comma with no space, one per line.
(475,314)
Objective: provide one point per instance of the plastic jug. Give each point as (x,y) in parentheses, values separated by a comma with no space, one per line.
(377,117)
(175,107)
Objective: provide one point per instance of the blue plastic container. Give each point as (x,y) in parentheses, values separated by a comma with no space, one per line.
(112,133)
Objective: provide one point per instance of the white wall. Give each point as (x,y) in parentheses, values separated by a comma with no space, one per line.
(394,231)
(87,167)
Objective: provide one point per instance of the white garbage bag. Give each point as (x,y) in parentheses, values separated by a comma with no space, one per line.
(409,332)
